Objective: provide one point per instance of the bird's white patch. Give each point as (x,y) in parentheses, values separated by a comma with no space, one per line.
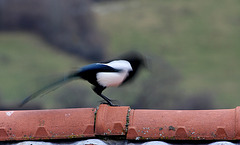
(114,79)
(120,64)
(9,113)
(111,79)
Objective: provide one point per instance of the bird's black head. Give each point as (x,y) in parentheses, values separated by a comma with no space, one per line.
(136,60)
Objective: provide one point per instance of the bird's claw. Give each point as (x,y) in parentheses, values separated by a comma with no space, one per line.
(113,105)
(110,103)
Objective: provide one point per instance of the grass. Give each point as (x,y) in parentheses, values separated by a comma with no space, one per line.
(199,38)
(27,63)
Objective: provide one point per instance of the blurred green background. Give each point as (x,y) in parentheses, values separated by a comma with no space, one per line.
(192,48)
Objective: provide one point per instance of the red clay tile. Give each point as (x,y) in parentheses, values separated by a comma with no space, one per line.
(184,124)
(237,122)
(47,124)
(181,133)
(120,121)
(111,120)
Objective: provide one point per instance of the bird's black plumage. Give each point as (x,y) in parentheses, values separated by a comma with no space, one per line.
(100,75)
(89,72)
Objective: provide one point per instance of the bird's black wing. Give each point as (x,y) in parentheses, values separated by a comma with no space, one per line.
(89,72)
(47,89)
(98,67)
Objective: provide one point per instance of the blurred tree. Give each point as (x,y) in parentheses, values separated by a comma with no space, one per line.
(162,90)
(69,25)
(74,96)
(198,101)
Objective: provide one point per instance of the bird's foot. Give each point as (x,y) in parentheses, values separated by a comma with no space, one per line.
(113,104)
(109,103)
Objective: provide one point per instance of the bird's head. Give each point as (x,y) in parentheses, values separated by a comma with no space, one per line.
(135,59)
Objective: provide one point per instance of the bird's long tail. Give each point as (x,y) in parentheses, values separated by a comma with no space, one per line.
(49,88)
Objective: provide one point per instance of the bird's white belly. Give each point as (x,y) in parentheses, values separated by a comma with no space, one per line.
(111,79)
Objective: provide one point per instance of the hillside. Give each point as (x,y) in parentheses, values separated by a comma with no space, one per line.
(193,47)
(198,38)
(27,64)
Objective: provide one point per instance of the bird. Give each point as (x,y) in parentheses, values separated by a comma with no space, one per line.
(113,73)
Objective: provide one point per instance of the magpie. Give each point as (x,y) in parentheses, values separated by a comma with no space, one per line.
(113,73)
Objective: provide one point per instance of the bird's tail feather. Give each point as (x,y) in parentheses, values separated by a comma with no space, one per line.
(48,89)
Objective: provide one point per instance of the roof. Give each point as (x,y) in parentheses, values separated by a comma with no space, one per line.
(121,124)
(118,142)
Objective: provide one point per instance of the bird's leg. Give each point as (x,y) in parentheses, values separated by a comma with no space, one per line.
(98,90)
(107,99)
